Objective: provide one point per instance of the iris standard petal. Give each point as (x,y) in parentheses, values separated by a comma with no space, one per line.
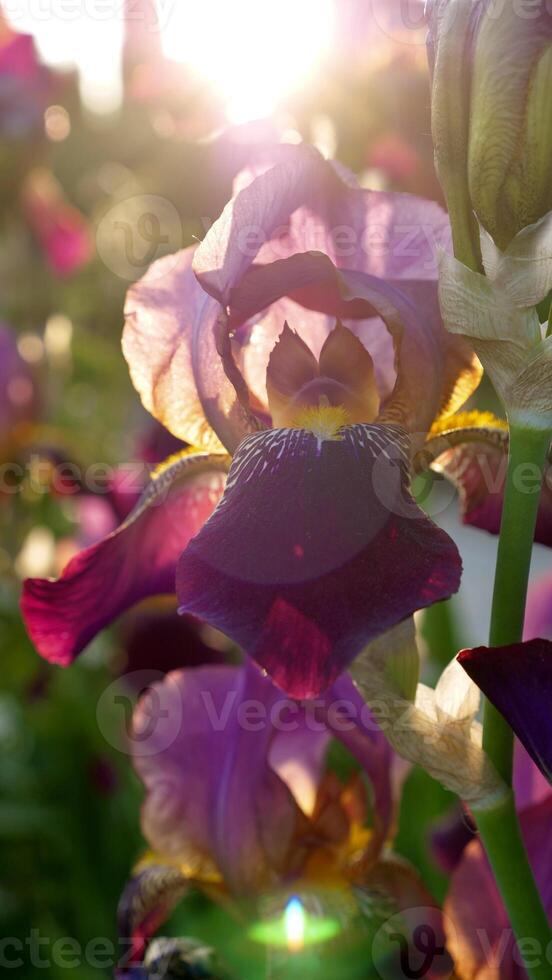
(517,679)
(135,561)
(302,204)
(316,548)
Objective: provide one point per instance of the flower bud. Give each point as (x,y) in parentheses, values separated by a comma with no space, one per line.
(492,70)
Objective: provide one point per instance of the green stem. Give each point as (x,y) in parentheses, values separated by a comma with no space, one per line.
(499,827)
(501,836)
(528,450)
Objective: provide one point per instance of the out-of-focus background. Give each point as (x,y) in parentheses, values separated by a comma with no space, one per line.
(122,126)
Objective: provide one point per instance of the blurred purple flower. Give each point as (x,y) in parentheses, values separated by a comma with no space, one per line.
(239,801)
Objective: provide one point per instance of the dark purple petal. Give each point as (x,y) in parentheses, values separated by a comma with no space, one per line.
(316,548)
(155,636)
(517,679)
(135,561)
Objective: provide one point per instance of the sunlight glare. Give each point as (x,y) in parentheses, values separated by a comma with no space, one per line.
(294,924)
(254,53)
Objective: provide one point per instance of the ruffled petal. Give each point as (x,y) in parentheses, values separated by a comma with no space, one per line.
(316,548)
(169,342)
(517,679)
(302,204)
(135,561)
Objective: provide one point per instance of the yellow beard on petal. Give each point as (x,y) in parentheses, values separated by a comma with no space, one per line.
(323,420)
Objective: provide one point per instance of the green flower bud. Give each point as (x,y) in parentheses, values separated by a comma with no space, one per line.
(492,124)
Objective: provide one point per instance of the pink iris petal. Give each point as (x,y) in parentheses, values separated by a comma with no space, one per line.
(135,561)
(316,548)
(517,679)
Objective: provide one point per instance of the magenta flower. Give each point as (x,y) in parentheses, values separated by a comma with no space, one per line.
(240,804)
(316,546)
(24,85)
(60,229)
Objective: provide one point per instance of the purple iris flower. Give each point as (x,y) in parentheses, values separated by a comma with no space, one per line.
(240,802)
(316,545)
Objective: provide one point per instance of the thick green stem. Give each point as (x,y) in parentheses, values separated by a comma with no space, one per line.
(499,827)
(528,451)
(501,836)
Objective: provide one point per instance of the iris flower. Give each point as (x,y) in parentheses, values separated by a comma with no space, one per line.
(303,338)
(240,803)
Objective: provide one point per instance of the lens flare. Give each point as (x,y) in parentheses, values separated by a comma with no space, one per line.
(294,925)
(254,53)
